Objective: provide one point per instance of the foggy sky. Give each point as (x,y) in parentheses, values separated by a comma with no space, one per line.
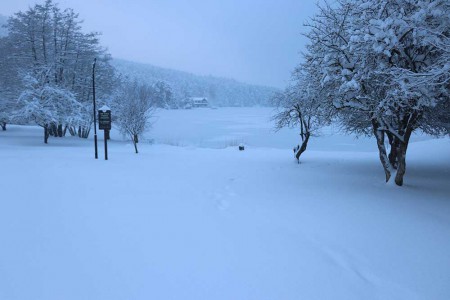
(248,40)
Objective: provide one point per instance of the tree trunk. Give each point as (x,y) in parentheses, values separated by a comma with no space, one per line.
(72,130)
(46,134)
(85,132)
(401,158)
(3,124)
(136,139)
(53,130)
(60,130)
(134,143)
(302,148)
(394,143)
(379,135)
(401,169)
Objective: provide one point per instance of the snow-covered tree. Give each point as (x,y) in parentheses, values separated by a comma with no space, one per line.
(133,107)
(47,37)
(162,95)
(9,83)
(46,104)
(384,64)
(399,45)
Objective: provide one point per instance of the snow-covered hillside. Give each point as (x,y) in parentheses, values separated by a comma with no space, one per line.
(199,222)
(219,91)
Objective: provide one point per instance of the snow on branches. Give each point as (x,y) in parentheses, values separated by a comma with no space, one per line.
(385,63)
(133,106)
(47,104)
(46,61)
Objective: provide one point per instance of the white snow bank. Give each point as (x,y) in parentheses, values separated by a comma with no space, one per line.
(199,223)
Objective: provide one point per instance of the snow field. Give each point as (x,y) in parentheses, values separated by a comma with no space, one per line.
(202,222)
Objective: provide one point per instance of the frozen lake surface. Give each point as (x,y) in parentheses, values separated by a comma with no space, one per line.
(224,127)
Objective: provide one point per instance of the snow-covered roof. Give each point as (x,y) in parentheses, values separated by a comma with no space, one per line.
(199,98)
(105,108)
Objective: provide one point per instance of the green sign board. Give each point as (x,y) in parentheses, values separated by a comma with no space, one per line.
(104,120)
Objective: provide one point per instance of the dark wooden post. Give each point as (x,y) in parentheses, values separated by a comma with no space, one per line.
(106,131)
(95,109)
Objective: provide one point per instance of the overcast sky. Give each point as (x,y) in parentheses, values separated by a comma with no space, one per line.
(255,41)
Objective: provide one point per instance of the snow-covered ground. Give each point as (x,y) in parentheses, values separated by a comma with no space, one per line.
(191,217)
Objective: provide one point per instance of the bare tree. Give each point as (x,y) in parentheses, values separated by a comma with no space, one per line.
(302,105)
(133,107)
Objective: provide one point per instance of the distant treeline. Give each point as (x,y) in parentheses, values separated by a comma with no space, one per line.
(219,91)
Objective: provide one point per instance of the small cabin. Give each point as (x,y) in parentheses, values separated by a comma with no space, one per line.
(199,102)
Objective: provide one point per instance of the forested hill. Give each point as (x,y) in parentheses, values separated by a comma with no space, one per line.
(220,91)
